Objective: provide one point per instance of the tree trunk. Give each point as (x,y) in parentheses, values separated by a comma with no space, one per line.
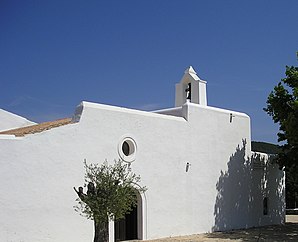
(101,231)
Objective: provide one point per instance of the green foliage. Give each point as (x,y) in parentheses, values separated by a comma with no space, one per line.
(265,147)
(282,105)
(114,193)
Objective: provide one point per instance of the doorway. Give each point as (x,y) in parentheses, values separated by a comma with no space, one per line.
(130,227)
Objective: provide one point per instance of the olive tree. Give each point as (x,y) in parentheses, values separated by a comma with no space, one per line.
(111,193)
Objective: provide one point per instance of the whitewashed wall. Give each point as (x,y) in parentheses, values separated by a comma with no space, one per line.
(11,121)
(38,173)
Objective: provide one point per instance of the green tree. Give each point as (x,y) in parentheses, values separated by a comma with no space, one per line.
(282,106)
(111,193)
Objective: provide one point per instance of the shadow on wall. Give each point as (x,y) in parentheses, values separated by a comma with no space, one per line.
(243,189)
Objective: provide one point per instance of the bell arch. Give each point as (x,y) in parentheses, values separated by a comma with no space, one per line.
(191,88)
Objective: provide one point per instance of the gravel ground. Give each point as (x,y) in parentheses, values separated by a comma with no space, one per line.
(287,232)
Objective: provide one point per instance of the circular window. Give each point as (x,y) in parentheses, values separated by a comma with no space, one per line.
(127,149)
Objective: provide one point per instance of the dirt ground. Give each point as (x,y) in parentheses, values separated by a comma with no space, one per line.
(287,232)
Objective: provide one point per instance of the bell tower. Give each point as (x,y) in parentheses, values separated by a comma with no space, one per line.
(191,89)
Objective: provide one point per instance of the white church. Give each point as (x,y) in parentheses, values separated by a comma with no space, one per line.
(195,160)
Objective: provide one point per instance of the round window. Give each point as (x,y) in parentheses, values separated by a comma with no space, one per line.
(127,149)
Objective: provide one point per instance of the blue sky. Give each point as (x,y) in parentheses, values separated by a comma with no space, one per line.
(54,54)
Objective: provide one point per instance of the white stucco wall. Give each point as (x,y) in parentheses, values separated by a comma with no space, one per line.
(269,181)
(218,192)
(11,121)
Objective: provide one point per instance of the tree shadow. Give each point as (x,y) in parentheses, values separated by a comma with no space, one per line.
(287,232)
(241,191)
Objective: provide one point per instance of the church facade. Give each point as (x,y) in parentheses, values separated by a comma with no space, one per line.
(195,160)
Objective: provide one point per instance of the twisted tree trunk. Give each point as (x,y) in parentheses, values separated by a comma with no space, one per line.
(101,231)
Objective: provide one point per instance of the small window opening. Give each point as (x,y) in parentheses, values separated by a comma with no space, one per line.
(265,206)
(125,148)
